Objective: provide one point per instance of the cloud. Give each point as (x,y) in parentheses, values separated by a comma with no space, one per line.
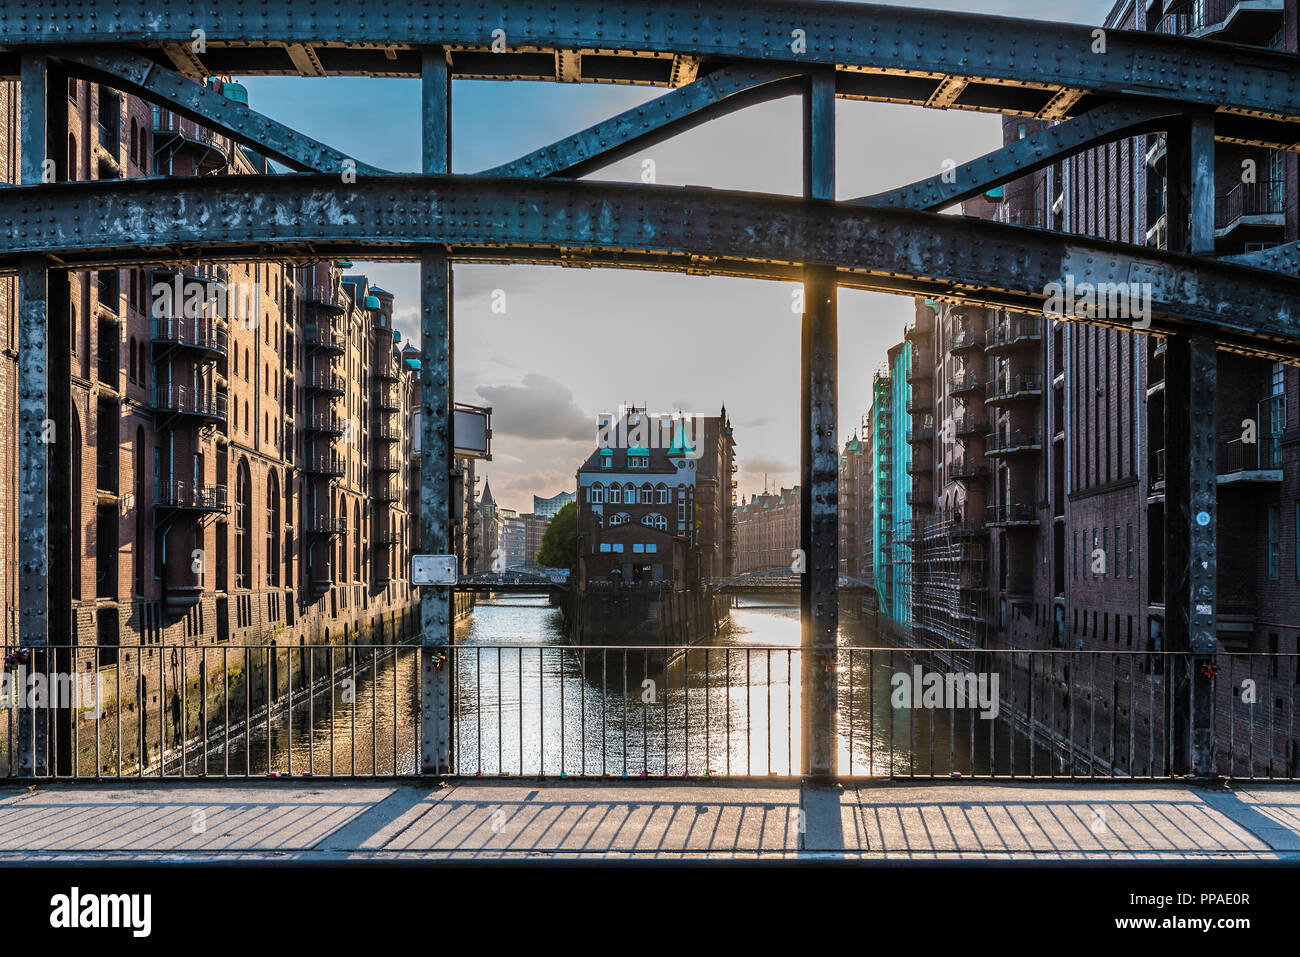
(540,408)
(772,466)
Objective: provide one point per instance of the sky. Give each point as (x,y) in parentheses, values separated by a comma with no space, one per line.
(573,343)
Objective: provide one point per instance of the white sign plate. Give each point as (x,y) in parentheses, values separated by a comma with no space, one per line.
(433,569)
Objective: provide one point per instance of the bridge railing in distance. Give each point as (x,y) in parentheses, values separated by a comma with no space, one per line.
(615,711)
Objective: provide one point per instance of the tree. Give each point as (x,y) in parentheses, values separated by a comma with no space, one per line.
(560,541)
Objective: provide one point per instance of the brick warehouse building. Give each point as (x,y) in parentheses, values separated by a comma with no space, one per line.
(242,466)
(1038,455)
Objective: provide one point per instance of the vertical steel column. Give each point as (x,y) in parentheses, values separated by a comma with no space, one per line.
(435,435)
(1191,483)
(33,501)
(819,454)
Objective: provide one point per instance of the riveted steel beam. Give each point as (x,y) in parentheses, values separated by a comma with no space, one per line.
(1105,124)
(126,71)
(722,92)
(819,455)
(682,229)
(436,404)
(1284,258)
(1004,56)
(946,93)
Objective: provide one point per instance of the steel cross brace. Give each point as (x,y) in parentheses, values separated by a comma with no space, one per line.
(718,94)
(1105,124)
(126,71)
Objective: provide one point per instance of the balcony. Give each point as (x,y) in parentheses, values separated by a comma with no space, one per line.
(324,525)
(328,382)
(187,496)
(915,331)
(920,435)
(965,340)
(330,465)
(1012,333)
(181,400)
(327,423)
(1250,462)
(920,372)
(920,404)
(1011,516)
(1250,208)
(387,433)
(965,426)
(201,335)
(325,339)
(386,539)
(177,133)
(966,383)
(387,491)
(962,470)
(1011,388)
(1013,443)
(1251,22)
(388,399)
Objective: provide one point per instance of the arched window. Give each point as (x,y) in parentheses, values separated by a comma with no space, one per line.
(343,541)
(131,369)
(273,526)
(655,520)
(356,541)
(622,518)
(243,526)
(72,157)
(629,494)
(598,493)
(615,494)
(647,494)
(661,494)
(133,147)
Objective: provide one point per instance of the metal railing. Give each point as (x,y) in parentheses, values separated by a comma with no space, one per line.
(197,333)
(181,399)
(1010,386)
(1261,198)
(240,711)
(1238,456)
(206,498)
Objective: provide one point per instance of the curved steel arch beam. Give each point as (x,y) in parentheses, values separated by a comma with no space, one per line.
(85,225)
(864,37)
(725,91)
(1102,125)
(125,71)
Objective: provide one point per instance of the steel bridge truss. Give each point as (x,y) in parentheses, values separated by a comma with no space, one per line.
(715,58)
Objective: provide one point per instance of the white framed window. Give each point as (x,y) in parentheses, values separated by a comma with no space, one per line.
(616,494)
(598,494)
(651,547)
(647,495)
(655,520)
(638,547)
(617,547)
(662,496)
(604,546)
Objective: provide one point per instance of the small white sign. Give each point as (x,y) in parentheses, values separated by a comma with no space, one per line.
(433,570)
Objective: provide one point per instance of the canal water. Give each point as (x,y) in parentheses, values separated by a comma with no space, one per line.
(528,702)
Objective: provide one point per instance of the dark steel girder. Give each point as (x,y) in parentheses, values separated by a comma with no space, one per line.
(1105,124)
(644,41)
(724,91)
(303,216)
(130,73)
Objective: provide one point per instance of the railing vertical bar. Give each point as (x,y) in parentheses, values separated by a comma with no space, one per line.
(1131,714)
(541,714)
(162,721)
(352,711)
(728,696)
(582,712)
(117,678)
(333,672)
(1250,748)
(501,762)
(749,720)
(871,712)
(397,657)
(767,682)
(270,653)
(686,706)
(1290,720)
(1092,714)
(1232,716)
(1030,670)
(1272,713)
(478,706)
(1151,717)
(1050,660)
(623,715)
(1072,683)
(248,714)
(311,710)
(374,711)
(891,718)
(789,718)
(708,750)
(289,715)
(789,715)
(99,715)
(645,717)
(971,726)
(666,691)
(604,710)
(561,711)
(521,711)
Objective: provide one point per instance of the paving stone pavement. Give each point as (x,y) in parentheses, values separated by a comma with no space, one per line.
(522,819)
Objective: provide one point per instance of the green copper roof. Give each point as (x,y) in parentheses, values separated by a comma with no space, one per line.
(638,450)
(994,193)
(680,446)
(372,302)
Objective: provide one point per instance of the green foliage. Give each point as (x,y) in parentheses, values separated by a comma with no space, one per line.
(560,542)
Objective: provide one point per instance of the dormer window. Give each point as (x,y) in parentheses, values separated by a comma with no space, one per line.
(638,457)
(606,458)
